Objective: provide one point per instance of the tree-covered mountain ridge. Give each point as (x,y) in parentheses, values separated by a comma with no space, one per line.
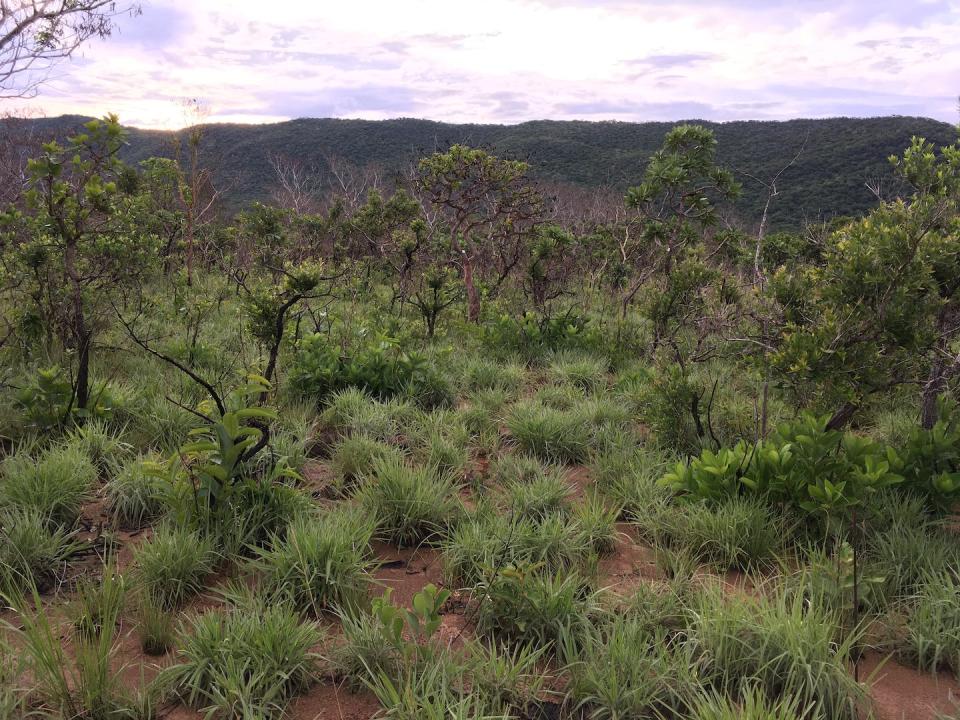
(841,160)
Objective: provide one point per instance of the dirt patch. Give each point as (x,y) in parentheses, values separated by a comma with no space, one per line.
(334,702)
(406,570)
(630,564)
(903,693)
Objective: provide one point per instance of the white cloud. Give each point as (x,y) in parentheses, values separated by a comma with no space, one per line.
(594,59)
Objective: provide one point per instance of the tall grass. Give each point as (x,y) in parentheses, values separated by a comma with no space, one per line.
(247,663)
(172,565)
(779,644)
(56,484)
(33,551)
(411,504)
(321,563)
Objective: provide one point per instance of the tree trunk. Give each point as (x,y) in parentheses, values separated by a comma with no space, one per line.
(937,378)
(473,296)
(842,416)
(78,325)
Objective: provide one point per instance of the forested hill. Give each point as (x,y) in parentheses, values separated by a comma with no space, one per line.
(840,155)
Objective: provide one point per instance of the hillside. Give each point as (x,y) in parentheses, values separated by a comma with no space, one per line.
(840,155)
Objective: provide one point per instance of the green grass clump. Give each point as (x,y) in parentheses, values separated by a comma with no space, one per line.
(365,652)
(320,564)
(598,522)
(411,504)
(480,374)
(354,457)
(905,552)
(488,539)
(540,496)
(736,533)
(781,645)
(933,624)
(582,371)
(136,497)
(626,669)
(752,705)
(57,484)
(248,663)
(508,678)
(524,605)
(32,550)
(550,434)
(171,565)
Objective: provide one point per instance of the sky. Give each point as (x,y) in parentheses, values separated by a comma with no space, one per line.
(507,61)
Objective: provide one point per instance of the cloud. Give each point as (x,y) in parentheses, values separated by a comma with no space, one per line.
(519,60)
(666,62)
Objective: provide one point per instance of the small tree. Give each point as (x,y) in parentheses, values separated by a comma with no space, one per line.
(675,204)
(79,240)
(882,309)
(490,210)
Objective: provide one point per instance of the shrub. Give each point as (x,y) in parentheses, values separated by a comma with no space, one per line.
(781,645)
(171,565)
(933,624)
(57,484)
(32,552)
(381,366)
(246,663)
(135,495)
(411,504)
(322,563)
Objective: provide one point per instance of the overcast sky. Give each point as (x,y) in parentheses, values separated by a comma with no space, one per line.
(507,61)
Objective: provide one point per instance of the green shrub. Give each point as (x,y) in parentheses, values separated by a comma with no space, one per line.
(933,624)
(381,366)
(411,504)
(57,484)
(172,564)
(320,564)
(32,552)
(246,663)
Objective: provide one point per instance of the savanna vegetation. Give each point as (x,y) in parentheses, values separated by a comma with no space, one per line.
(443,446)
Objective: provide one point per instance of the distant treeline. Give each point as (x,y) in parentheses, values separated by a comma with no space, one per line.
(842,163)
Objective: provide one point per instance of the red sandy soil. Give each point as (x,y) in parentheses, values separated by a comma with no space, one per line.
(903,693)
(899,692)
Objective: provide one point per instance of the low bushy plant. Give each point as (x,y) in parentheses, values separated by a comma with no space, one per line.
(249,662)
(56,484)
(172,565)
(411,504)
(321,563)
